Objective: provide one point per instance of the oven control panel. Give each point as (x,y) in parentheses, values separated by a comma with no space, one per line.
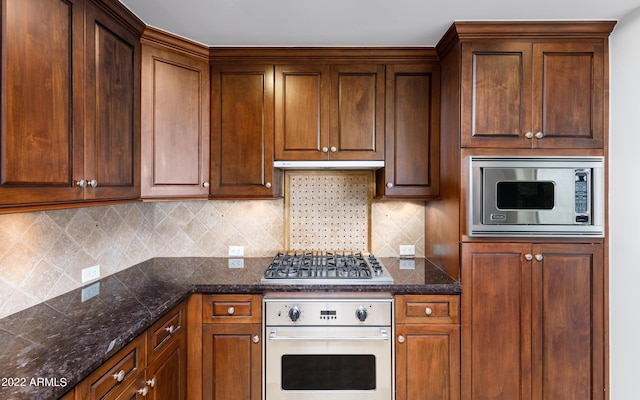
(303,311)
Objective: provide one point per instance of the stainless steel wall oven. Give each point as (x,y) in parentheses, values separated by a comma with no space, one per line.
(328,345)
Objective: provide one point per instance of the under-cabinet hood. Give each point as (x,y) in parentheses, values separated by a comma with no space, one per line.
(345,164)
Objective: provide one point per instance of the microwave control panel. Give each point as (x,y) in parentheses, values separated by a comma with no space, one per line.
(582,196)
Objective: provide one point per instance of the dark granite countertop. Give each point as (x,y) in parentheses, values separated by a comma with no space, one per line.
(49,348)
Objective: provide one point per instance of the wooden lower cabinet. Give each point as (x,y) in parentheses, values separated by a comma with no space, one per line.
(232,347)
(427,347)
(532,321)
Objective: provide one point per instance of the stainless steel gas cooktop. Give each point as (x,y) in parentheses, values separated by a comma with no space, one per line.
(326,268)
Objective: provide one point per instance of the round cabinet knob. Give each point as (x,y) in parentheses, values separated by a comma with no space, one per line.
(539,135)
(81,183)
(294,313)
(143,392)
(428,311)
(333,149)
(231,310)
(400,339)
(389,185)
(119,376)
(539,257)
(267,185)
(361,313)
(152,382)
(529,135)
(93,183)
(255,339)
(205,184)
(325,149)
(528,257)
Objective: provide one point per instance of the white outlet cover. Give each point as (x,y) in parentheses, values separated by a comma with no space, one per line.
(236,251)
(91,273)
(407,250)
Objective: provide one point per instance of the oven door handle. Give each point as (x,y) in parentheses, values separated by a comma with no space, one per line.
(384,336)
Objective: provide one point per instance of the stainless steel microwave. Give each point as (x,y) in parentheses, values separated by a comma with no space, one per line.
(536,196)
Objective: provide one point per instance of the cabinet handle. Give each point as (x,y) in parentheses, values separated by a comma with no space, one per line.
(333,149)
(529,135)
(325,150)
(256,339)
(528,257)
(539,135)
(205,184)
(428,311)
(231,310)
(119,376)
(143,392)
(81,183)
(401,339)
(151,382)
(389,185)
(539,257)
(172,329)
(93,183)
(267,185)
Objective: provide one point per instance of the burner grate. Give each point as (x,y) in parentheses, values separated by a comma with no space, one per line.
(319,265)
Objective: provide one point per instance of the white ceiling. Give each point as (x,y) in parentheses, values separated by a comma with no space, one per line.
(350,22)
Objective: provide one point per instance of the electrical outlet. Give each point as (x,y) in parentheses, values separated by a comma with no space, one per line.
(91,273)
(407,250)
(236,251)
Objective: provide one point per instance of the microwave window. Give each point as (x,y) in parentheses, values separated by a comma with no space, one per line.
(525,195)
(329,372)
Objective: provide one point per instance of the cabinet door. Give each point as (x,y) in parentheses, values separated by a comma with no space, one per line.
(568,322)
(232,362)
(41,119)
(412,136)
(112,97)
(166,375)
(175,124)
(302,112)
(242,132)
(496,94)
(496,321)
(569,94)
(356,112)
(427,362)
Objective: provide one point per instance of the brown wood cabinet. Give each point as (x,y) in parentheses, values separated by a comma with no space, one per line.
(412,134)
(70,114)
(175,117)
(533,94)
(427,347)
(329,112)
(232,348)
(533,321)
(242,132)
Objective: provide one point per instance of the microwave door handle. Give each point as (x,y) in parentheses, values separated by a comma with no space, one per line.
(384,336)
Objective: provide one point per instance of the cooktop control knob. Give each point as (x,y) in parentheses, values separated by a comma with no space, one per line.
(294,313)
(361,313)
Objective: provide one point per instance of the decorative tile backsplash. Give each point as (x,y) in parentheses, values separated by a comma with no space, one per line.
(43,253)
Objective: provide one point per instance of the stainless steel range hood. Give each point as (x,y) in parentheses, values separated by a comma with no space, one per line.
(347,164)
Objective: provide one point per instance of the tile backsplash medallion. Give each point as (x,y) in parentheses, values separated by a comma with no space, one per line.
(43,253)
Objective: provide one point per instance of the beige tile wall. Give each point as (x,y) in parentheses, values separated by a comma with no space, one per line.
(42,253)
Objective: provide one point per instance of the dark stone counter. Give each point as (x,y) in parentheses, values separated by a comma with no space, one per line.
(49,348)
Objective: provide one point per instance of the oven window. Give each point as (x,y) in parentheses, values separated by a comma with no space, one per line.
(328,372)
(523,195)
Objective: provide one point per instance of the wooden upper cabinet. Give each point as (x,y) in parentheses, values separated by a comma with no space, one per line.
(302,112)
(524,94)
(331,112)
(242,132)
(70,103)
(175,123)
(41,115)
(412,157)
(112,98)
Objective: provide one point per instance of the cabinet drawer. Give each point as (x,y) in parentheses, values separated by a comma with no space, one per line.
(427,309)
(163,331)
(232,309)
(116,374)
